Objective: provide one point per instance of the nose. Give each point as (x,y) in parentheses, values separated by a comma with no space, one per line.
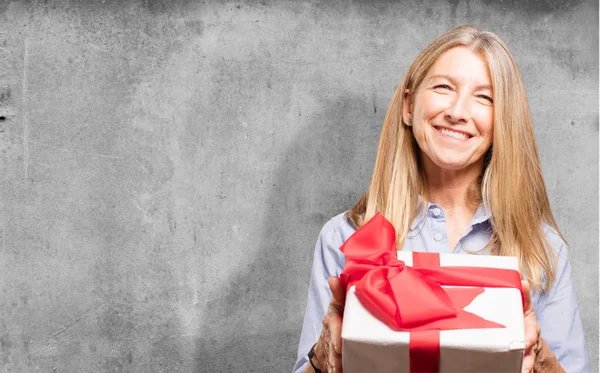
(459,109)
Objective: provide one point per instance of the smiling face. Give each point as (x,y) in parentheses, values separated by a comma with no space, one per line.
(452,112)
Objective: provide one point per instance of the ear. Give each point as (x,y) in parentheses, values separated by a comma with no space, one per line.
(406,107)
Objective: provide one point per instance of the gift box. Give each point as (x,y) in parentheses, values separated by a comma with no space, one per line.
(424,312)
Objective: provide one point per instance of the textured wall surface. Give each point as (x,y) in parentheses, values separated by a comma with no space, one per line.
(167,165)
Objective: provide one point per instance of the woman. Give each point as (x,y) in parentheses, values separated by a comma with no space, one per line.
(457,171)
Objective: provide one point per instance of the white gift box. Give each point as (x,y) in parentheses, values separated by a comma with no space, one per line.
(370,346)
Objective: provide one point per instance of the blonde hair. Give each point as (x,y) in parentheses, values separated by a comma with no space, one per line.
(511,184)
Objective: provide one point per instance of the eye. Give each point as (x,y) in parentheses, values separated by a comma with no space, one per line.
(442,86)
(487,98)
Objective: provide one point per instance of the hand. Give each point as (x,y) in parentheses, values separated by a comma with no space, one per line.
(532,331)
(328,351)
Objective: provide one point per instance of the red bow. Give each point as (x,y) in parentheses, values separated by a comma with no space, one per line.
(412,298)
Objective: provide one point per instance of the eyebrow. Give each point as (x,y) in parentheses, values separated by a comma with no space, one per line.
(453,81)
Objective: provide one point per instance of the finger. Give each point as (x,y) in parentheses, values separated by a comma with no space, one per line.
(528,360)
(334,358)
(527,294)
(335,331)
(531,336)
(335,362)
(531,325)
(337,291)
(322,347)
(532,330)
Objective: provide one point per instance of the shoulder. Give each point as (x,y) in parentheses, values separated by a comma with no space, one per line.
(337,230)
(556,243)
(558,252)
(328,259)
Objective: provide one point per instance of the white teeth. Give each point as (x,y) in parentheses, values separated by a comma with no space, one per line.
(456,135)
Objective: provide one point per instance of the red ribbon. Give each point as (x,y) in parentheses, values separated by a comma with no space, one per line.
(412,299)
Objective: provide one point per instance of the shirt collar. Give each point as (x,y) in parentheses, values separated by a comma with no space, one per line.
(481,214)
(421,213)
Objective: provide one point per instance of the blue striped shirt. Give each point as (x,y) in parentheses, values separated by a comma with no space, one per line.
(556,311)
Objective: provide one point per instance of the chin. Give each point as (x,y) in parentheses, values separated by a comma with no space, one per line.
(453,167)
(448,164)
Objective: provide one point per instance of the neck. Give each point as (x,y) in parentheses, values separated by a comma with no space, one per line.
(451,189)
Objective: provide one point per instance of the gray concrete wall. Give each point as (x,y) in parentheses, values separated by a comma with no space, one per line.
(167,165)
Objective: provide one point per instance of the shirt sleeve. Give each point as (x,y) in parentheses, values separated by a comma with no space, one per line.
(557,313)
(328,261)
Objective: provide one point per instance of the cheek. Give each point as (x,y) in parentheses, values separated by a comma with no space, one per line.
(485,120)
(431,105)
(490,131)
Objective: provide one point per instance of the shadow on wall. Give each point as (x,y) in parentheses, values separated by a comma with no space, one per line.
(255,327)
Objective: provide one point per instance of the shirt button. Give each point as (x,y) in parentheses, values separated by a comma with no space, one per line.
(436,212)
(437,236)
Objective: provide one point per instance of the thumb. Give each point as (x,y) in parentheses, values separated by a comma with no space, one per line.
(527,294)
(337,291)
